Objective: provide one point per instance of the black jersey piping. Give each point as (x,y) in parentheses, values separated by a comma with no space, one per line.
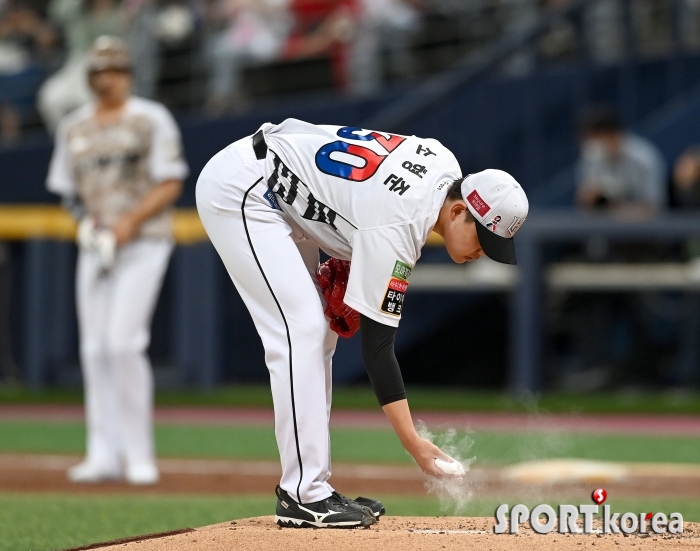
(271,183)
(289,337)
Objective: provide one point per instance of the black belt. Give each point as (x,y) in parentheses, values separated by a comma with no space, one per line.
(259,145)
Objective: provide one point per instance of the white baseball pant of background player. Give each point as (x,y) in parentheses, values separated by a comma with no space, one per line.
(114,314)
(275,275)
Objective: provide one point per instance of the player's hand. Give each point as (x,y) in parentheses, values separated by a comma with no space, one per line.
(425,453)
(125,229)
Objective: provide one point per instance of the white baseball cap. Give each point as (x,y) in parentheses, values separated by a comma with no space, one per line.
(500,206)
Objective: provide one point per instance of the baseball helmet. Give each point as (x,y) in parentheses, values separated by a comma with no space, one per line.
(108,52)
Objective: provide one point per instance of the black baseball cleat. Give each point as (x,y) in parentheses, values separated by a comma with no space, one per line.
(369,505)
(331,512)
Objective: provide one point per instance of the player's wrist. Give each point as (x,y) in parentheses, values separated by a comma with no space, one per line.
(410,441)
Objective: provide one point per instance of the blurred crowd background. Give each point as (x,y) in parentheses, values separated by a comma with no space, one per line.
(594,106)
(218,56)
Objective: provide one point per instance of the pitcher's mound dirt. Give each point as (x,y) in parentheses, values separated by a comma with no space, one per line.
(402,533)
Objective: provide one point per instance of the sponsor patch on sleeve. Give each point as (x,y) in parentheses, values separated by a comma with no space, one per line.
(393,299)
(478,203)
(402,270)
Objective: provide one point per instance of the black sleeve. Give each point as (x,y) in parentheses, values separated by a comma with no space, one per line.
(380,361)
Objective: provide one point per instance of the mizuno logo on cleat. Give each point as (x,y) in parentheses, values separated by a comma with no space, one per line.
(319,517)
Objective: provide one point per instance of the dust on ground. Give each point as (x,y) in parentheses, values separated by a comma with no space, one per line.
(401,533)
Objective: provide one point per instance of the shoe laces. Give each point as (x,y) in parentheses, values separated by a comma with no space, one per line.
(340,499)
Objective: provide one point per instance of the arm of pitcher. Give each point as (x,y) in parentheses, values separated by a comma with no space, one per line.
(385,375)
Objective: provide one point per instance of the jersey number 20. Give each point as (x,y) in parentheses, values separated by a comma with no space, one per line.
(367,160)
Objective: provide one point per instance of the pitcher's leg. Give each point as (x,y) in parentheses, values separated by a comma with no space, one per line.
(138,277)
(329,343)
(310,254)
(265,265)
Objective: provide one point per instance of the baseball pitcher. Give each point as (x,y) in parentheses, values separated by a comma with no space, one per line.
(120,160)
(269,202)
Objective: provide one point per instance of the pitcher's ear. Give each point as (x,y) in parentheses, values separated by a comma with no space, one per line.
(458,209)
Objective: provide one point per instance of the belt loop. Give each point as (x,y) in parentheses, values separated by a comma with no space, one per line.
(259,145)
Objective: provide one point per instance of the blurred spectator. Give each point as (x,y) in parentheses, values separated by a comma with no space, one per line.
(249,34)
(686,179)
(689,24)
(246,33)
(653,26)
(25,42)
(152,22)
(561,42)
(319,25)
(604,23)
(324,28)
(518,17)
(618,171)
(383,26)
(82,22)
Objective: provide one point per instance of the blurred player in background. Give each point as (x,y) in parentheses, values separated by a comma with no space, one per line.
(119,162)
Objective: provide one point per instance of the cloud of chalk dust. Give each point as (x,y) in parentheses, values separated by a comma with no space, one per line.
(454,495)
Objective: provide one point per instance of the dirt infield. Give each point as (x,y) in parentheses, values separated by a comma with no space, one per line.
(47,473)
(401,533)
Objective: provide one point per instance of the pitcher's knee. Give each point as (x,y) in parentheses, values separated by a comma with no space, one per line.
(313,329)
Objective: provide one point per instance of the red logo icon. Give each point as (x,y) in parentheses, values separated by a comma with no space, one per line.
(649,515)
(398,285)
(480,206)
(599,496)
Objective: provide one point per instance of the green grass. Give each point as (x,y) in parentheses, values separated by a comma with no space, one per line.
(362,445)
(36,522)
(436,399)
(45,522)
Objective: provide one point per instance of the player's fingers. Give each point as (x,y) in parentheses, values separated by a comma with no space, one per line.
(439,454)
(440,474)
(428,466)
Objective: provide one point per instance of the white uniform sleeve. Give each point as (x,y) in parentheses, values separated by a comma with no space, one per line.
(382,260)
(167,161)
(60,179)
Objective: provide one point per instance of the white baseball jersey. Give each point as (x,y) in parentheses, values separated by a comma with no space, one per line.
(364,196)
(112,167)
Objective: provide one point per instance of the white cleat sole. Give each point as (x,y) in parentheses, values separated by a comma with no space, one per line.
(289,522)
(143,474)
(94,477)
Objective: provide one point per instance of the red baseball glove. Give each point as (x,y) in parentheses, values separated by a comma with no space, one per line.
(333,277)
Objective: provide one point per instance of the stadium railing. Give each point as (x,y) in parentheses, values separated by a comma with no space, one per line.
(195,319)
